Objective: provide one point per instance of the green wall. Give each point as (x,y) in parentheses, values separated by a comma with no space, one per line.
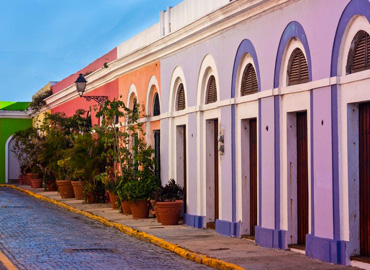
(8,127)
(13,106)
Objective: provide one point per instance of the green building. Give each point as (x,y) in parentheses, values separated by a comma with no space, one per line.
(13,117)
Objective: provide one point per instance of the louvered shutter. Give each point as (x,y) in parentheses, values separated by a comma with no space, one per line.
(361,54)
(181,98)
(156,106)
(298,68)
(211,90)
(249,81)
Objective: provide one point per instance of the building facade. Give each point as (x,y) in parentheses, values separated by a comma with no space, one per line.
(264,117)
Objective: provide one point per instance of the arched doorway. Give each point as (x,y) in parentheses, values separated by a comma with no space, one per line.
(12,166)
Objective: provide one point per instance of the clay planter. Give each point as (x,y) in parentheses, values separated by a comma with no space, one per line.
(52,186)
(140,209)
(65,189)
(169,212)
(89,198)
(126,208)
(31,176)
(113,198)
(36,183)
(78,189)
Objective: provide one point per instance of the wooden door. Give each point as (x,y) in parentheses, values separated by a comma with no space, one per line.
(184,166)
(364,163)
(302,177)
(216,168)
(157,154)
(253,173)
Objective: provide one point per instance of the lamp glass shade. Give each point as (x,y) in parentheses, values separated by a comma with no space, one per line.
(80,84)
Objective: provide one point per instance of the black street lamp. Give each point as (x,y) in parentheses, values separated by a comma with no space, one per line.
(81,86)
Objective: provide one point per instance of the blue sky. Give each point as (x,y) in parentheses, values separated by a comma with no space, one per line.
(47,40)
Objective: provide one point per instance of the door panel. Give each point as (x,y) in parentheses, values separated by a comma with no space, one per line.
(302,177)
(364,163)
(253,173)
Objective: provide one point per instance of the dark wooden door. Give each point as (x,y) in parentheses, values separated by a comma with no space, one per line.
(364,145)
(302,177)
(253,173)
(184,164)
(157,154)
(216,168)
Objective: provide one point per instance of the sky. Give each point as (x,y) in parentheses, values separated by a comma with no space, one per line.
(48,40)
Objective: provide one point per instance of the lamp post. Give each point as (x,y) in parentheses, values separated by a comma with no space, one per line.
(81,86)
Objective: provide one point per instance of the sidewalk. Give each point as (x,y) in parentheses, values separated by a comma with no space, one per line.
(242,252)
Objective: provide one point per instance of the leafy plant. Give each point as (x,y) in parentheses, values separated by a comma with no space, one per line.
(38,100)
(170,192)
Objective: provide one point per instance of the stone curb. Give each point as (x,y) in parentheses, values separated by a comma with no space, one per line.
(6,262)
(143,236)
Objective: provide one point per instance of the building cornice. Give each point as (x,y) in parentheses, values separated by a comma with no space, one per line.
(14,114)
(204,28)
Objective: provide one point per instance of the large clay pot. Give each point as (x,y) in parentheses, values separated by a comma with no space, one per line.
(36,183)
(140,209)
(31,176)
(126,208)
(78,189)
(89,198)
(169,212)
(113,198)
(65,189)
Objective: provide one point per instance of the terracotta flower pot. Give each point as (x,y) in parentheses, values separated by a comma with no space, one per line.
(31,176)
(126,208)
(65,189)
(113,198)
(89,198)
(52,186)
(169,212)
(78,190)
(140,209)
(36,183)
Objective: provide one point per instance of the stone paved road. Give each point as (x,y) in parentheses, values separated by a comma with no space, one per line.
(37,235)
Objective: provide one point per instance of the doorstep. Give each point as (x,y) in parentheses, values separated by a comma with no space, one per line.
(362,262)
(297,248)
(240,252)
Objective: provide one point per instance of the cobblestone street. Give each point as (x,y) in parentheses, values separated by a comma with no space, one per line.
(37,235)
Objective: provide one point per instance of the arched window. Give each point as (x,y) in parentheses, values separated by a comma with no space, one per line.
(298,68)
(180,98)
(211,90)
(249,81)
(359,53)
(156,106)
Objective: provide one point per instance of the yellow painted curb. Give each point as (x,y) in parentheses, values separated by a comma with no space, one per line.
(187,254)
(6,262)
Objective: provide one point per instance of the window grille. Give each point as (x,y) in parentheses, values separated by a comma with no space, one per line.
(249,81)
(211,90)
(298,68)
(181,98)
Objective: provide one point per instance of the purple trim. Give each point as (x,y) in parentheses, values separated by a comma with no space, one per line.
(312,168)
(259,163)
(327,250)
(193,221)
(270,238)
(245,46)
(228,228)
(355,7)
(293,29)
(233,163)
(277,160)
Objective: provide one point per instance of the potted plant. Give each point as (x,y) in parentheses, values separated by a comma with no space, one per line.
(110,186)
(169,203)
